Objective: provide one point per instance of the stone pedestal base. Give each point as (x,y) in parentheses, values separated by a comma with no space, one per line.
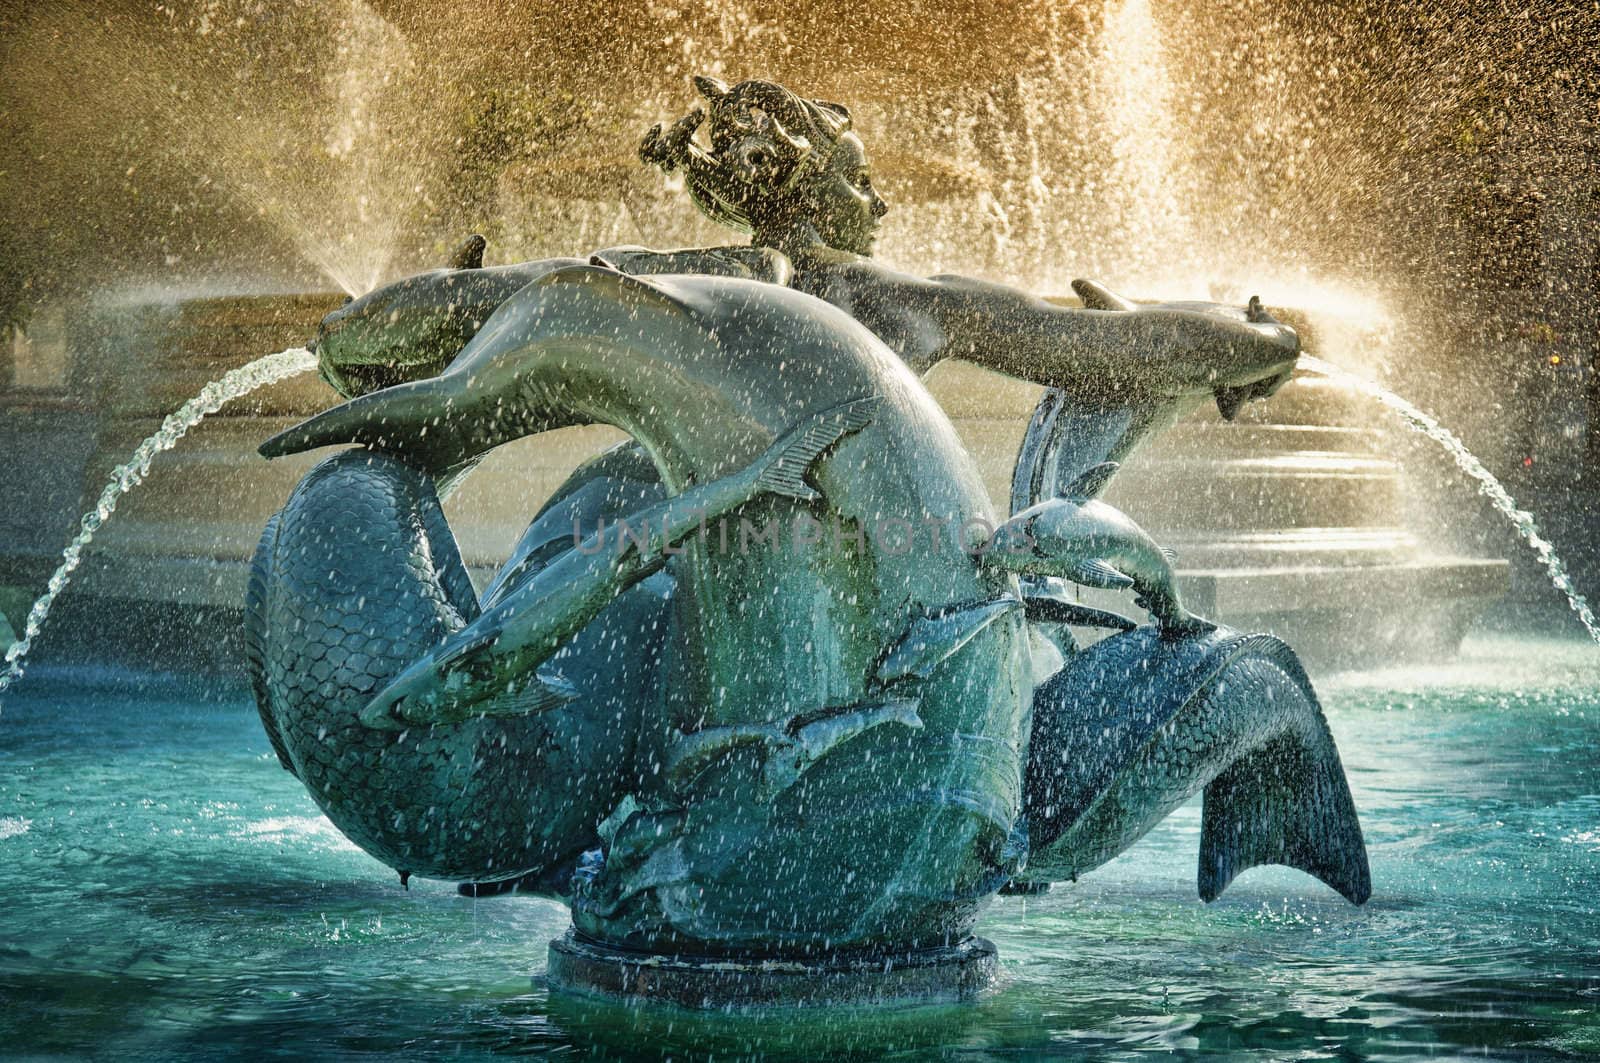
(932,976)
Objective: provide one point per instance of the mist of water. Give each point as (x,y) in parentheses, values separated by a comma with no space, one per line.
(1488,484)
(237,383)
(318,122)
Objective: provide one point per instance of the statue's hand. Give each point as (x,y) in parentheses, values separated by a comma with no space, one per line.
(670,149)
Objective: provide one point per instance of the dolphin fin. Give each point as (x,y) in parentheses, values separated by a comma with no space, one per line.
(1257,314)
(1095,573)
(544,692)
(801,446)
(470,254)
(1092,481)
(1286,803)
(710,87)
(436,423)
(1230,400)
(1097,296)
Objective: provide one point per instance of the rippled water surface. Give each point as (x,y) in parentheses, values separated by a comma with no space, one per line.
(166,889)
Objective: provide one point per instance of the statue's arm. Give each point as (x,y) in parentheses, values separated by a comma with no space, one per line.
(1164,350)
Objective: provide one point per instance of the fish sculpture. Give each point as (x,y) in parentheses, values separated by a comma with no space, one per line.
(1087,541)
(725,738)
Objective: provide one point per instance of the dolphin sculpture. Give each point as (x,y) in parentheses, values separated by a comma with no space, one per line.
(416,326)
(1087,541)
(469,672)
(783,748)
(706,373)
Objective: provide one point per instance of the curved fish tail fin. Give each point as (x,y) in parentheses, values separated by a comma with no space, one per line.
(1285,803)
(1140,722)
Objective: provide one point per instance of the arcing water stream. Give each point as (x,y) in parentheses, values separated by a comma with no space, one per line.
(125,477)
(1491,487)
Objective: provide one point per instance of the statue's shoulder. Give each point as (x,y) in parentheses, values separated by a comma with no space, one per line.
(827,267)
(750,263)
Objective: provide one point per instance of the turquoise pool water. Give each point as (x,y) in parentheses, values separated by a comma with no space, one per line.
(167,890)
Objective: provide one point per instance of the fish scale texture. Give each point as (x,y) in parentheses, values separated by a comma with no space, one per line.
(359,576)
(1139,724)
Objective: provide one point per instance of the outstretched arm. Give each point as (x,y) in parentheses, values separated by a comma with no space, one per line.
(1157,351)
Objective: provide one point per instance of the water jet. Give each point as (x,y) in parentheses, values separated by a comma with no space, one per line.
(889,721)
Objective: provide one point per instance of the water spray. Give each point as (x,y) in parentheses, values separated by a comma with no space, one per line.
(237,383)
(1488,484)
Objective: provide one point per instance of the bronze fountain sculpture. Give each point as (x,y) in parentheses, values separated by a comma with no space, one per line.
(768,696)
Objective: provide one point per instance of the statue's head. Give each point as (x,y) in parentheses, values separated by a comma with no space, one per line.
(779,167)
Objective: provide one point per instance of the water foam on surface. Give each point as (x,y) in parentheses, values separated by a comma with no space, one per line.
(14,827)
(1488,484)
(237,383)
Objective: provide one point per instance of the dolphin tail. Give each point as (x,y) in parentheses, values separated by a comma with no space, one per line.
(1287,803)
(1137,724)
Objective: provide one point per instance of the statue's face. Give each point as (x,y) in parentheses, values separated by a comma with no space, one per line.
(845,207)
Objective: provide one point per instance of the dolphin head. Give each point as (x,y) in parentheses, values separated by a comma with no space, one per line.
(1056,538)
(413,328)
(403,331)
(1012,546)
(1054,534)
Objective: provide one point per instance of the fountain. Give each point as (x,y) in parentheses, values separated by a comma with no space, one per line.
(790,766)
(266,370)
(837,753)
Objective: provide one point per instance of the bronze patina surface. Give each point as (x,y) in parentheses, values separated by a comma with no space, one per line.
(763,687)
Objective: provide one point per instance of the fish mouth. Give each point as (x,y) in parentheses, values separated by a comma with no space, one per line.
(369,370)
(324,330)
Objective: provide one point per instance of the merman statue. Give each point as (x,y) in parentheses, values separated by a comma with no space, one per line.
(764,695)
